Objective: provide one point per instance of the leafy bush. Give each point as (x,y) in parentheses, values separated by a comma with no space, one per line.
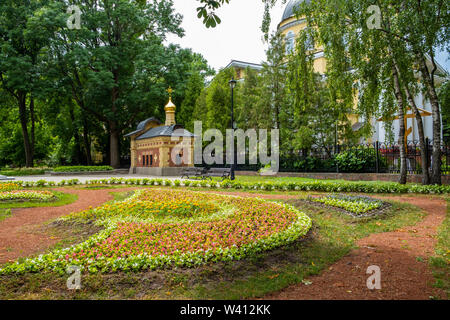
(313,185)
(22,172)
(82,168)
(359,160)
(307,164)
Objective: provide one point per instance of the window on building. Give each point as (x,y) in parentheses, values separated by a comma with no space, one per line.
(309,43)
(178,159)
(147,160)
(309,39)
(143,161)
(290,42)
(151,160)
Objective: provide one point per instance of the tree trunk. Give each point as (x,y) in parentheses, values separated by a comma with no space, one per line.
(114,151)
(422,144)
(86,142)
(33,121)
(401,119)
(436,113)
(22,97)
(75,135)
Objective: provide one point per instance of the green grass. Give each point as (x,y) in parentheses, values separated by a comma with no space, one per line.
(4,213)
(332,237)
(62,200)
(440,262)
(273,179)
(120,196)
(22,172)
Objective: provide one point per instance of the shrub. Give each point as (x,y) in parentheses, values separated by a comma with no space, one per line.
(82,168)
(22,172)
(359,160)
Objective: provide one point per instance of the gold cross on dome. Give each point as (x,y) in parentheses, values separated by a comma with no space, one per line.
(169,91)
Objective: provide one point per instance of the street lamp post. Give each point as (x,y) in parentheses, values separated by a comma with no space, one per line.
(232,83)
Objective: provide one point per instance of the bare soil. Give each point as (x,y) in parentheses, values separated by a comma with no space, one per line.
(401,255)
(22,235)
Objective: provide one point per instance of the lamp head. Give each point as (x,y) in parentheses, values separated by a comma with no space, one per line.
(232,83)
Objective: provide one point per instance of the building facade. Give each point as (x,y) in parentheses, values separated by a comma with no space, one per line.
(161,150)
(291,25)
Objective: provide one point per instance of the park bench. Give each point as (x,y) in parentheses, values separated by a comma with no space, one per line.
(223,173)
(195,172)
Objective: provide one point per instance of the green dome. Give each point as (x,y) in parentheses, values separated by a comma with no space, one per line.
(290,8)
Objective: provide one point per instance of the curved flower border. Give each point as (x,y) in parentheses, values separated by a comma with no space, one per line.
(27,195)
(54,260)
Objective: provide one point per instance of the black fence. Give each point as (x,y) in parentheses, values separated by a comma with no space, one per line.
(374,157)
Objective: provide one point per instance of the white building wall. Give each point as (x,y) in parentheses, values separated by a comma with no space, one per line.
(421,102)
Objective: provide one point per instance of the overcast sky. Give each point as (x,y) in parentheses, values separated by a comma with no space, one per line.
(238,37)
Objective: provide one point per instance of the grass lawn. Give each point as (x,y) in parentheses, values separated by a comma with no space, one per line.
(440,263)
(333,235)
(258,178)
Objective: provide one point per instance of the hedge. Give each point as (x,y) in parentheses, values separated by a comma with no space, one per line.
(22,172)
(315,185)
(82,168)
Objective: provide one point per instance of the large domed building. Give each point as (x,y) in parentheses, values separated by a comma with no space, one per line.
(291,25)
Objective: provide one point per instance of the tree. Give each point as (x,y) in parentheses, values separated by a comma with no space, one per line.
(250,113)
(20,47)
(314,118)
(213,105)
(199,71)
(444,97)
(116,63)
(414,30)
(382,58)
(274,93)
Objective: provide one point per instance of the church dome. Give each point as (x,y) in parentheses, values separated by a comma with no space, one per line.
(290,8)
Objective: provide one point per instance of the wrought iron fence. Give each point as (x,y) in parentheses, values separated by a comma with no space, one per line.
(377,157)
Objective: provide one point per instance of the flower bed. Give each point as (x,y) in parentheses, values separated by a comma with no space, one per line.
(9,187)
(223,228)
(355,204)
(26,195)
(315,185)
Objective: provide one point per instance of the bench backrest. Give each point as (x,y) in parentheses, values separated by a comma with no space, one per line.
(220,170)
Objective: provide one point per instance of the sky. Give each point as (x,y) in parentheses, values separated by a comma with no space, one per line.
(238,37)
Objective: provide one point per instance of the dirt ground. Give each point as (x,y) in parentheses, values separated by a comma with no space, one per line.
(401,255)
(21,235)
